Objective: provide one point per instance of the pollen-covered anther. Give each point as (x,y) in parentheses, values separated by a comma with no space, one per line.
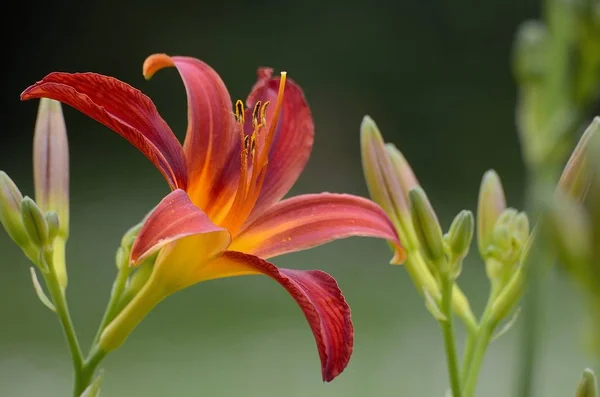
(239,112)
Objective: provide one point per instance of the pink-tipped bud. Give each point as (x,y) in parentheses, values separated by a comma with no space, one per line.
(51,163)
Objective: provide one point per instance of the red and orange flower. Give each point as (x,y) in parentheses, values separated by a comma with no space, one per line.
(225,215)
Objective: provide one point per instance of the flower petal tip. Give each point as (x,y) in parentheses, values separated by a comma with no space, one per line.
(154,63)
(399,255)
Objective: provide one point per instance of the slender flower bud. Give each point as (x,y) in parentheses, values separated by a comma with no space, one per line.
(383,185)
(427,227)
(529,60)
(576,177)
(588,385)
(490,206)
(405,174)
(35,222)
(10,210)
(460,235)
(51,162)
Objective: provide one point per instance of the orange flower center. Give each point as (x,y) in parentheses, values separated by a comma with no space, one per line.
(253,158)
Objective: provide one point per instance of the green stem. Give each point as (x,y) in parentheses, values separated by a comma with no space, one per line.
(482,342)
(468,354)
(111,309)
(88,369)
(449,339)
(62,310)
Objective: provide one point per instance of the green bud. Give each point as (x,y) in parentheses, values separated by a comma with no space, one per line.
(490,206)
(529,53)
(51,162)
(384,183)
(426,225)
(130,235)
(521,227)
(576,177)
(10,210)
(35,222)
(405,174)
(460,234)
(122,258)
(53,225)
(588,385)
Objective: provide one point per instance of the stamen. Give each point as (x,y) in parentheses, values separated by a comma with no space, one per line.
(239,111)
(255,113)
(263,113)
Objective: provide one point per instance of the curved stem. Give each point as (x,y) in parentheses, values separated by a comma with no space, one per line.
(449,340)
(484,336)
(62,310)
(111,309)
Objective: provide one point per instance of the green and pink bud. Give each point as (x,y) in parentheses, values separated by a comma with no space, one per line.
(490,206)
(51,163)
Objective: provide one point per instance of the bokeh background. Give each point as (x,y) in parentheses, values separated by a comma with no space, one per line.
(436,77)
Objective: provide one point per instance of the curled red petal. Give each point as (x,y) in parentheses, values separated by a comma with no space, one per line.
(320,299)
(123,109)
(211,133)
(174,218)
(309,220)
(292,141)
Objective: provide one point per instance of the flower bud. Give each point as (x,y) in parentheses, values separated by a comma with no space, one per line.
(426,225)
(53,225)
(404,172)
(576,177)
(51,162)
(588,385)
(35,222)
(529,60)
(460,234)
(10,210)
(490,206)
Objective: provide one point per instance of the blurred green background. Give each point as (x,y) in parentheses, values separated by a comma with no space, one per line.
(434,74)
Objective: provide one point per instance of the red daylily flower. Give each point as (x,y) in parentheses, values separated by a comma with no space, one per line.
(225,215)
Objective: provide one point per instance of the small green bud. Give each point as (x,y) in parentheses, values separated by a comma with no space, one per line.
(426,225)
(405,174)
(53,225)
(122,258)
(35,222)
(588,385)
(10,210)
(51,162)
(460,234)
(529,58)
(130,236)
(490,206)
(521,227)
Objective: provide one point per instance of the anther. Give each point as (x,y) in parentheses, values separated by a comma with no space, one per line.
(239,111)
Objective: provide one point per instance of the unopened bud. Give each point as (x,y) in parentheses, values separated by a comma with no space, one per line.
(404,172)
(460,234)
(426,225)
(588,385)
(529,60)
(576,177)
(490,206)
(53,225)
(130,235)
(51,162)
(10,210)
(35,222)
